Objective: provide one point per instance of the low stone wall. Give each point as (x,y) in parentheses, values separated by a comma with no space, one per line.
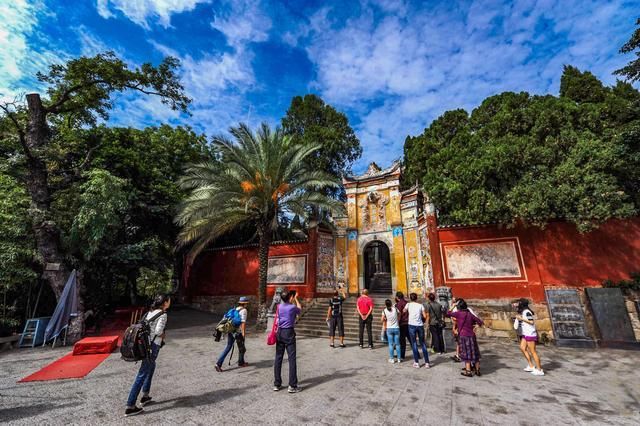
(498,318)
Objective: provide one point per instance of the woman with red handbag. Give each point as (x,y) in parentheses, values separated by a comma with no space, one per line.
(286,340)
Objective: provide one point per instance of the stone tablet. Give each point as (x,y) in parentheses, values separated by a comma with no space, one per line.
(610,313)
(567,318)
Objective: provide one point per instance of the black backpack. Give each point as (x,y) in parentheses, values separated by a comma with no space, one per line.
(135,342)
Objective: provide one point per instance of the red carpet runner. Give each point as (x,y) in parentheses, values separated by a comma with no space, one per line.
(67,367)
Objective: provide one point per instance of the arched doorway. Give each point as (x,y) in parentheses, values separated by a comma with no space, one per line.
(377,268)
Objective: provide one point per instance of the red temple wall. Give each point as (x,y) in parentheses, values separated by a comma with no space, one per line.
(234,271)
(557,256)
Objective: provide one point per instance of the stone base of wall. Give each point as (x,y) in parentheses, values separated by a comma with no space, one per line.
(498,316)
(630,302)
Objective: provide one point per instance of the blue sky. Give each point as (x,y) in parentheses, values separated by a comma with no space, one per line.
(391,66)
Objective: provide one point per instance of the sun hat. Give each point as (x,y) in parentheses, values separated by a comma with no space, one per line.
(243,299)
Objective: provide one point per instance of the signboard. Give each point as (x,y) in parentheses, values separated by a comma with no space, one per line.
(325,279)
(610,313)
(287,270)
(567,318)
(483,260)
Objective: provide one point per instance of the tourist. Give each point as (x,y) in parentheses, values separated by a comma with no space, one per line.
(286,340)
(435,319)
(334,317)
(236,336)
(364,306)
(391,325)
(148,366)
(468,345)
(529,337)
(417,315)
(404,323)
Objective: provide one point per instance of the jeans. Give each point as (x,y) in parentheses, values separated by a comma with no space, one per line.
(404,335)
(362,324)
(437,340)
(419,330)
(393,337)
(231,338)
(285,339)
(144,377)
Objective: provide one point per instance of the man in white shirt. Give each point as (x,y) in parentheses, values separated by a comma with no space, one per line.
(417,316)
(236,337)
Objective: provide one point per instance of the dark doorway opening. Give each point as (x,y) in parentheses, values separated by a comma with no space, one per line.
(377,268)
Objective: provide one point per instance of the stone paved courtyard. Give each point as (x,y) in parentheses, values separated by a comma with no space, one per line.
(340,386)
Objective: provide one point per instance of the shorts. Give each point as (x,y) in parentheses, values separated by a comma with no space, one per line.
(336,322)
(530,338)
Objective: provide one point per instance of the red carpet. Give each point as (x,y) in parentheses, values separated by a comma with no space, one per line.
(95,345)
(67,367)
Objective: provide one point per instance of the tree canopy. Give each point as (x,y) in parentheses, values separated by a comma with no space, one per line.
(310,121)
(632,70)
(521,157)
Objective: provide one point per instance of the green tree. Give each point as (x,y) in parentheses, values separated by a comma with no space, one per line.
(528,158)
(632,70)
(310,121)
(78,93)
(261,177)
(17,249)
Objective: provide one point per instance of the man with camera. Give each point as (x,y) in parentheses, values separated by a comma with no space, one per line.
(286,340)
(335,319)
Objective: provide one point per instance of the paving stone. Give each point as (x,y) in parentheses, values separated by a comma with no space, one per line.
(340,386)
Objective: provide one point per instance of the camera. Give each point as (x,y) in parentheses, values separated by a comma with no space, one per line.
(217,335)
(293,294)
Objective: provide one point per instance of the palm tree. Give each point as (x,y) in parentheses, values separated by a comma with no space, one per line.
(259,179)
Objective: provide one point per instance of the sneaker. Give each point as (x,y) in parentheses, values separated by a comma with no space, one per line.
(218,368)
(416,365)
(331,345)
(361,347)
(371,347)
(427,365)
(537,372)
(244,364)
(133,411)
(276,388)
(145,400)
(342,345)
(391,361)
(398,360)
(293,390)
(528,369)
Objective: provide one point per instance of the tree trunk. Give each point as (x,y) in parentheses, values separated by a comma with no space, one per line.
(56,269)
(264,235)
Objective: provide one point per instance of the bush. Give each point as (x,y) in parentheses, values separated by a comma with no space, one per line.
(626,286)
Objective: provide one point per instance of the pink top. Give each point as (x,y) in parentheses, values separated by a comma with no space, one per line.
(364,304)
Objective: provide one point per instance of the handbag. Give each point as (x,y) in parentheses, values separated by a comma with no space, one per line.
(271,338)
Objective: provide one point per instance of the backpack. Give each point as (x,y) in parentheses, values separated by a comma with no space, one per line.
(229,322)
(135,342)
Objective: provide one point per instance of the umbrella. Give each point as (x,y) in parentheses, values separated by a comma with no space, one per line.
(66,308)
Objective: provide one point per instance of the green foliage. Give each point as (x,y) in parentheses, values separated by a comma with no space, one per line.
(84,86)
(310,121)
(535,158)
(626,286)
(632,70)
(103,200)
(152,282)
(17,251)
(16,245)
(260,178)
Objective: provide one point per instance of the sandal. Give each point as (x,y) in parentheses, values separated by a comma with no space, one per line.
(332,345)
(467,373)
(478,373)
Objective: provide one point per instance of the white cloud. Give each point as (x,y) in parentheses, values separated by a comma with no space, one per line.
(19,58)
(424,62)
(141,11)
(242,21)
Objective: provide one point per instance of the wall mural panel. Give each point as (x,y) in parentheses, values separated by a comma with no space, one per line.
(483,260)
(287,270)
(325,282)
(425,254)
